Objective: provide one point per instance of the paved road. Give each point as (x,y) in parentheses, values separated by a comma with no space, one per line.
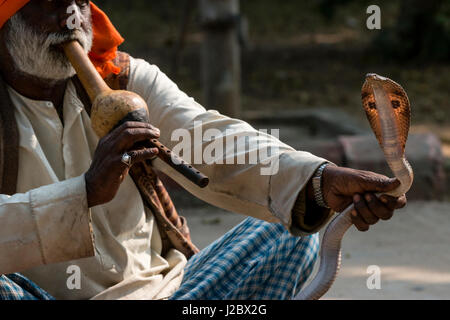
(412,251)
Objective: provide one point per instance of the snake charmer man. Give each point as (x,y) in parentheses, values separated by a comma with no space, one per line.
(68,198)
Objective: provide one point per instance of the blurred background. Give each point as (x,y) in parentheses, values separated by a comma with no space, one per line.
(299,66)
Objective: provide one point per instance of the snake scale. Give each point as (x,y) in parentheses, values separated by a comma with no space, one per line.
(388,110)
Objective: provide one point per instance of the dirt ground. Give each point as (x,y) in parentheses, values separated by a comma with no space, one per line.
(411,250)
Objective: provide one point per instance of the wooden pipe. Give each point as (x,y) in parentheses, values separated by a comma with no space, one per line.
(112,107)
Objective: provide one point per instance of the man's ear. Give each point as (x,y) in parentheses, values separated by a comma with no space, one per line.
(2,42)
(5,58)
(3,31)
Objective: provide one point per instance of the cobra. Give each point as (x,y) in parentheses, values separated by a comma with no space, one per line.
(388,110)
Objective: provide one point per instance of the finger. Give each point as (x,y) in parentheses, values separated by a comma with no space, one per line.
(373,182)
(132,125)
(364,211)
(378,208)
(359,222)
(393,203)
(343,203)
(127,138)
(143,154)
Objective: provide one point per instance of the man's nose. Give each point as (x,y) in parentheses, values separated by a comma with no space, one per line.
(67,9)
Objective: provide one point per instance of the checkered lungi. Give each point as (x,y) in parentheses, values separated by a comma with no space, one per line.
(17,287)
(256,260)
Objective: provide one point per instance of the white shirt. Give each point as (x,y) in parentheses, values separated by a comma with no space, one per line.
(47,227)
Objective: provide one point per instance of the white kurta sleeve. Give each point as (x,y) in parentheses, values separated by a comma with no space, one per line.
(46,225)
(266,189)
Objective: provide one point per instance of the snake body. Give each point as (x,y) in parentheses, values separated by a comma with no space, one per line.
(388,110)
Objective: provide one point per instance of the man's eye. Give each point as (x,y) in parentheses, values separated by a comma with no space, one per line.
(82,3)
(54,3)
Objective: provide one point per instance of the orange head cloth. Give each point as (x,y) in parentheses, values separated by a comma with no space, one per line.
(106,37)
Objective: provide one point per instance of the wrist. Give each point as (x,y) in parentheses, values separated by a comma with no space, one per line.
(315,191)
(310,192)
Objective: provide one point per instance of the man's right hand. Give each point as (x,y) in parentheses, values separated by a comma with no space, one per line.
(107,170)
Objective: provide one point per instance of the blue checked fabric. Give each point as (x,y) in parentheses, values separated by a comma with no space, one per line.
(256,260)
(17,287)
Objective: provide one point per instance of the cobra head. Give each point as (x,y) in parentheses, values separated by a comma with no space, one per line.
(382,97)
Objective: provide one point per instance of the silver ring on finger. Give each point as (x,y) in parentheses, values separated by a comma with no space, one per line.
(126,159)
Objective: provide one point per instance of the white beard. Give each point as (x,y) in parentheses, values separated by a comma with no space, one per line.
(37,54)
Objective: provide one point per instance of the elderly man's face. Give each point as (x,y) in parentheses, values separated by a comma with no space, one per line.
(34,34)
(49,16)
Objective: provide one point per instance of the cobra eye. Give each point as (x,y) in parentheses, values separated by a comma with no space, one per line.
(395,104)
(364,95)
(372,105)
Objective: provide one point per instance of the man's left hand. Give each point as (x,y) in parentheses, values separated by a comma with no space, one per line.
(343,186)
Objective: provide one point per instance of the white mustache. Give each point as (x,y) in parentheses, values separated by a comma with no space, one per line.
(40,54)
(56,39)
